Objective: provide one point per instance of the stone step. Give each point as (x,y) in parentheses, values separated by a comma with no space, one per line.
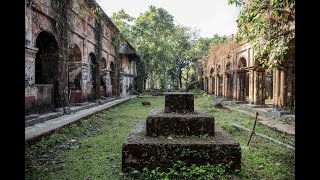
(79,104)
(43,118)
(179,102)
(103,101)
(160,123)
(269,112)
(140,151)
(32,116)
(79,108)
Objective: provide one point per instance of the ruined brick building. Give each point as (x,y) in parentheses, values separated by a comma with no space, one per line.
(235,74)
(74,53)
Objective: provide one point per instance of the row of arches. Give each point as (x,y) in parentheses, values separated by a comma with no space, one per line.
(224,83)
(273,87)
(48,69)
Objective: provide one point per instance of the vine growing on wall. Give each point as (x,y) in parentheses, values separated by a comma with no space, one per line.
(269,25)
(116,42)
(98,48)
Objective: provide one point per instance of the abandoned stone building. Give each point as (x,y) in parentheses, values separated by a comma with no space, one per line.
(233,73)
(74,53)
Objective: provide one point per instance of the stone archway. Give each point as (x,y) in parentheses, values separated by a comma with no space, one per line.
(229,80)
(268,87)
(74,74)
(212,80)
(243,80)
(93,75)
(46,68)
(103,78)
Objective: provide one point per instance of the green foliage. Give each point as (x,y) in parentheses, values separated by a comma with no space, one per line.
(200,93)
(201,46)
(181,171)
(169,50)
(269,25)
(123,22)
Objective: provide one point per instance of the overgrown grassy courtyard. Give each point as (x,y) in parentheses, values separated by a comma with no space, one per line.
(91,149)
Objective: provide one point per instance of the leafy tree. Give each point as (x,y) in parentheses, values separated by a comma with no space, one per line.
(183,37)
(152,31)
(169,50)
(269,25)
(124,23)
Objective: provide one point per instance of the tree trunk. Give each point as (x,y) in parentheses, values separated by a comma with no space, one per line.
(152,84)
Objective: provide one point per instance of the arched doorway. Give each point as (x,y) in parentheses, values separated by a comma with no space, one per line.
(212,81)
(103,78)
(219,81)
(94,70)
(74,75)
(268,87)
(46,68)
(229,80)
(113,80)
(243,80)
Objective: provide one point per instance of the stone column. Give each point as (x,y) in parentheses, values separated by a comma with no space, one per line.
(220,85)
(261,88)
(30,55)
(235,86)
(226,86)
(209,85)
(224,79)
(282,96)
(216,85)
(238,87)
(30,93)
(251,87)
(290,87)
(255,87)
(276,88)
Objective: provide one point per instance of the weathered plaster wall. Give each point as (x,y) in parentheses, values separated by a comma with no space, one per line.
(80,29)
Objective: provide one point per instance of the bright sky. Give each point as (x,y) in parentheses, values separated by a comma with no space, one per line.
(209,16)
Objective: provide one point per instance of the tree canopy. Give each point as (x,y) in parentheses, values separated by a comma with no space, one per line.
(269,25)
(168,49)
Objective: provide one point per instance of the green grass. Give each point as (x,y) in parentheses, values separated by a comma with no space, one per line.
(91,149)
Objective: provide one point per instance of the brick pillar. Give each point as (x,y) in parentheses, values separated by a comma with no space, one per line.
(220,86)
(216,85)
(282,96)
(238,87)
(209,89)
(226,94)
(235,86)
(255,87)
(276,88)
(290,87)
(251,87)
(261,88)
(224,88)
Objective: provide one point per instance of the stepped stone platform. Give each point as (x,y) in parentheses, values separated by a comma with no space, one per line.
(141,151)
(178,132)
(160,123)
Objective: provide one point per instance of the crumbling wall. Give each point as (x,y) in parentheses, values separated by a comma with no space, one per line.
(80,23)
